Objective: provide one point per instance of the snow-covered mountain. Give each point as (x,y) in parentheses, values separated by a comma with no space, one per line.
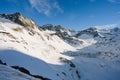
(55,53)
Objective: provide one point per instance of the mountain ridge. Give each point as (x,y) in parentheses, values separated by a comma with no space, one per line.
(58,53)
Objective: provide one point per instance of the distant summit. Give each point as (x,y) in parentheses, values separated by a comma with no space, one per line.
(90,31)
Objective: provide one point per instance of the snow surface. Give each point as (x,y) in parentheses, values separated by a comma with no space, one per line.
(7,73)
(97,58)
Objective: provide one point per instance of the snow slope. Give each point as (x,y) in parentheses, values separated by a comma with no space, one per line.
(90,54)
(7,73)
(39,53)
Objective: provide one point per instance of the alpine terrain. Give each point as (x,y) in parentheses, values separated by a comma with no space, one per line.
(32,52)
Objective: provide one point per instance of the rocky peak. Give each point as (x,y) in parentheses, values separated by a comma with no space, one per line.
(57,28)
(48,27)
(11,17)
(116,29)
(19,19)
(90,31)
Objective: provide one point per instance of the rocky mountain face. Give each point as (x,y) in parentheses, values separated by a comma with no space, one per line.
(19,19)
(56,53)
(66,34)
(90,31)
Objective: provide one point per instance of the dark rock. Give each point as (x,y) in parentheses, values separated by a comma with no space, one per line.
(2,63)
(40,77)
(89,31)
(22,69)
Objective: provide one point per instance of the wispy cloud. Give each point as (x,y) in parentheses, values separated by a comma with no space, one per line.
(92,0)
(92,16)
(118,12)
(114,1)
(14,1)
(46,7)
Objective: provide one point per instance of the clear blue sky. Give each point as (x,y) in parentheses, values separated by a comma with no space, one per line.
(73,14)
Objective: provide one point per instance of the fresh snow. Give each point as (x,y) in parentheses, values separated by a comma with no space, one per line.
(36,53)
(7,73)
(96,58)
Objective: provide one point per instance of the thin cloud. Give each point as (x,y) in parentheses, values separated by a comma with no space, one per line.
(114,1)
(46,6)
(108,26)
(92,0)
(118,12)
(14,1)
(91,16)
(56,5)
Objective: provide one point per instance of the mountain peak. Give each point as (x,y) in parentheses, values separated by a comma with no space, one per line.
(10,16)
(91,31)
(57,53)
(52,27)
(19,19)
(17,13)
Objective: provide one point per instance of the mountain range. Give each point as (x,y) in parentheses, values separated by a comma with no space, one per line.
(32,52)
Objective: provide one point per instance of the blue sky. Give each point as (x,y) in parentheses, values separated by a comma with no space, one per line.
(73,14)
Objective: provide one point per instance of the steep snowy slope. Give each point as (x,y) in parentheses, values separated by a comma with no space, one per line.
(7,73)
(57,53)
(66,34)
(38,53)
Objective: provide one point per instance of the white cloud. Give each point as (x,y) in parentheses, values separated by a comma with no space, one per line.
(107,26)
(46,6)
